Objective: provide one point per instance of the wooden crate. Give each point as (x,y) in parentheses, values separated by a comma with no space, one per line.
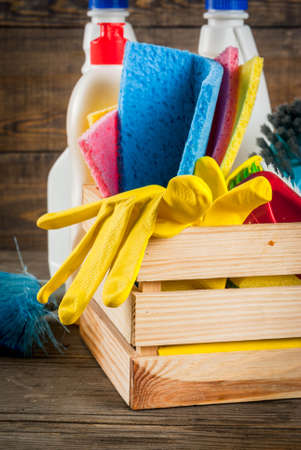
(125,340)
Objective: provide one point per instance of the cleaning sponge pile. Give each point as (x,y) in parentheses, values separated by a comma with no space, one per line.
(170,102)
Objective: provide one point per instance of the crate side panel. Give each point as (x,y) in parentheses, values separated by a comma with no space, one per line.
(234,251)
(121,317)
(187,317)
(160,382)
(108,347)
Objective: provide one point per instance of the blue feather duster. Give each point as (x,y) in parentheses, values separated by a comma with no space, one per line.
(23,320)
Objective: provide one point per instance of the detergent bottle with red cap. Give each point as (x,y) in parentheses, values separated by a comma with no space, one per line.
(101,11)
(97,89)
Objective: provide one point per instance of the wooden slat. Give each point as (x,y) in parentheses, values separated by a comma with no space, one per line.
(183,317)
(71,13)
(147,351)
(121,317)
(160,382)
(213,252)
(149,288)
(108,346)
(247,250)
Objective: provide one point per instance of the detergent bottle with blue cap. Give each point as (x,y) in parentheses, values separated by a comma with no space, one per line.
(226,28)
(97,89)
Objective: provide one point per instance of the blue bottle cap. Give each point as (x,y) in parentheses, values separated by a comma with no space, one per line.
(108,4)
(227,4)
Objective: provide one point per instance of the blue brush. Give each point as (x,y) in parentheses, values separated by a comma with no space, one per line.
(166,105)
(23,320)
(281,146)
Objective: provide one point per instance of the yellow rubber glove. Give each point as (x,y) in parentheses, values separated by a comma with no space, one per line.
(186,199)
(118,217)
(234,207)
(208,169)
(116,242)
(228,208)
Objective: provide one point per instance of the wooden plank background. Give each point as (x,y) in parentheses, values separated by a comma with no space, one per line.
(41,57)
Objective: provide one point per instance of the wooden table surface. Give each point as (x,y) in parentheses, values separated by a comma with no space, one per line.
(64,401)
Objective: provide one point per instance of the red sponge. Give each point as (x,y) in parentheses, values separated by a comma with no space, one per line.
(224,116)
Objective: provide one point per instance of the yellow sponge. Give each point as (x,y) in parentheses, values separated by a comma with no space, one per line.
(242,346)
(94,116)
(249,78)
(264,281)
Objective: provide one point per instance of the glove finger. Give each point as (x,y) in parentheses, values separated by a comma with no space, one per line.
(125,268)
(73,261)
(186,199)
(208,169)
(234,207)
(97,262)
(60,219)
(52,221)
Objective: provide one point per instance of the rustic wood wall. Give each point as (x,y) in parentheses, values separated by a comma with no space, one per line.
(40,62)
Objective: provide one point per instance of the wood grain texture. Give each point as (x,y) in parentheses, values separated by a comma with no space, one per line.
(121,317)
(37,76)
(144,13)
(34,97)
(65,401)
(108,346)
(233,251)
(150,288)
(21,205)
(188,317)
(218,378)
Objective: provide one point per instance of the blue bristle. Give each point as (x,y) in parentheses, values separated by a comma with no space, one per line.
(23,320)
(167,100)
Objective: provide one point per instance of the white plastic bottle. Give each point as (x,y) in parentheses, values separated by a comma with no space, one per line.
(96,89)
(60,183)
(225,28)
(102,11)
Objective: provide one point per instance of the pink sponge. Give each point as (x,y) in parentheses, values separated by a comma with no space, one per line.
(226,105)
(99,146)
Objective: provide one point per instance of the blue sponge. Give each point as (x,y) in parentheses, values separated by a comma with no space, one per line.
(166,106)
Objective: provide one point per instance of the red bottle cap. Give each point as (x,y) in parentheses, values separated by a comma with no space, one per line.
(109,47)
